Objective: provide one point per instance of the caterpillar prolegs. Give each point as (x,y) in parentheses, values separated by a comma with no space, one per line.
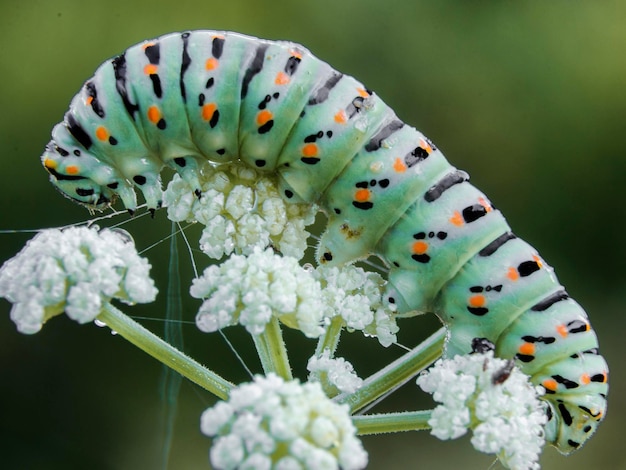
(182,99)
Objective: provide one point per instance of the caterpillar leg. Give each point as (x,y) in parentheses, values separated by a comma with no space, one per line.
(189,169)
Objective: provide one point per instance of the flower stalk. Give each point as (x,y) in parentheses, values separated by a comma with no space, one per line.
(164,352)
(392,422)
(272,352)
(397,373)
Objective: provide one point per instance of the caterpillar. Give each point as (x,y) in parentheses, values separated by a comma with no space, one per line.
(386,189)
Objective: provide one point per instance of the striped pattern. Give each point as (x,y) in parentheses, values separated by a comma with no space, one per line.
(182,99)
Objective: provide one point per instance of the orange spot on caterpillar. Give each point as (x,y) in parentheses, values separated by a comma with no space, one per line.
(362,195)
(426,146)
(512,274)
(89,100)
(208,110)
(456,219)
(154,114)
(605,375)
(102,134)
(147,45)
(281,78)
(72,170)
(550,384)
(296,53)
(399,165)
(562,330)
(310,150)
(483,202)
(477,300)
(341,117)
(49,163)
(527,349)
(538,261)
(211,63)
(419,247)
(363,92)
(263,117)
(585,379)
(150,69)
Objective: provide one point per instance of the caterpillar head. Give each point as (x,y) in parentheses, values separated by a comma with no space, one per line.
(65,164)
(81,176)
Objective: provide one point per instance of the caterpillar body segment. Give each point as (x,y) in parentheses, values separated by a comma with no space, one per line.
(185,98)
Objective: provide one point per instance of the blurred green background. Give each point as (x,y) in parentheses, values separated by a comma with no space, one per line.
(528,97)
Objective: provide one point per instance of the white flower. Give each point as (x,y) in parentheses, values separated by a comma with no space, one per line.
(339,372)
(241,209)
(505,415)
(249,290)
(76,270)
(270,423)
(356,295)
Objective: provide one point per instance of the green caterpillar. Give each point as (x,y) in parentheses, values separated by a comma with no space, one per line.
(182,99)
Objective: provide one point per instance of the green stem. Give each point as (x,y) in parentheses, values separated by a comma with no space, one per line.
(272,351)
(330,339)
(392,422)
(397,373)
(164,352)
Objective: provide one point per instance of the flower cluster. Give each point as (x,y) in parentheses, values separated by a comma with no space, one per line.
(241,209)
(76,270)
(270,423)
(336,371)
(503,410)
(356,295)
(250,290)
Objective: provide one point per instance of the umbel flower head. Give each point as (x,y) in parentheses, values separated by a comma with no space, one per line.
(357,296)
(273,424)
(76,270)
(241,209)
(336,370)
(482,393)
(251,289)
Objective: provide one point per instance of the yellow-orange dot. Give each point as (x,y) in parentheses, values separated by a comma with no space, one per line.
(154,115)
(102,134)
(147,45)
(49,163)
(512,274)
(477,300)
(211,63)
(419,247)
(89,100)
(263,117)
(362,195)
(310,150)
(585,379)
(605,376)
(456,219)
(483,202)
(208,110)
(281,78)
(72,170)
(562,330)
(150,69)
(550,384)
(399,165)
(341,117)
(363,92)
(296,53)
(527,349)
(426,146)
(538,261)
